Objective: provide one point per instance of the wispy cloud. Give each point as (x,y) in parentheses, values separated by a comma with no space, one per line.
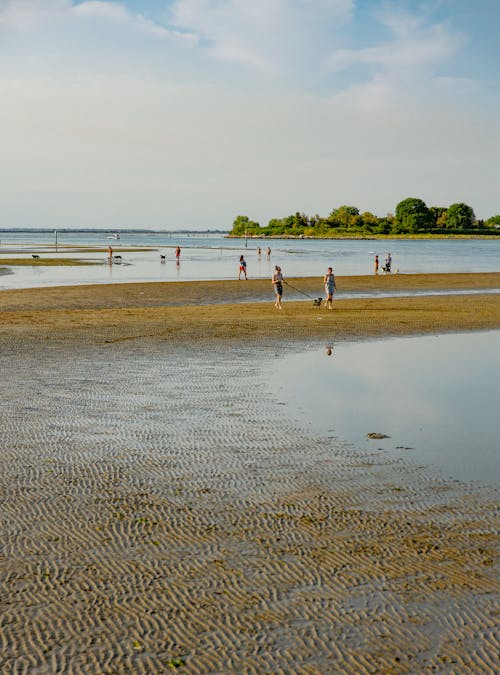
(270,34)
(415,51)
(116,12)
(36,15)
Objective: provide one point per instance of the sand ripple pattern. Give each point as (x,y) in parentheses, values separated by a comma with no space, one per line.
(161,512)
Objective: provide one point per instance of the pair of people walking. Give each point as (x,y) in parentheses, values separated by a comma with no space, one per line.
(278,281)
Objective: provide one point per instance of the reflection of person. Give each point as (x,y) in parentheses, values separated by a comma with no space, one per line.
(329,281)
(277,280)
(243,267)
(376,264)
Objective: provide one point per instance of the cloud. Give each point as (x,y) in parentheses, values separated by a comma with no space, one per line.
(37,15)
(270,34)
(416,51)
(113,11)
(410,59)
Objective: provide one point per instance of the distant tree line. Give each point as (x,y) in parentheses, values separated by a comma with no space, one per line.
(412,217)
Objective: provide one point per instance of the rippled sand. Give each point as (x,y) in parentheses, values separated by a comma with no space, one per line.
(160,510)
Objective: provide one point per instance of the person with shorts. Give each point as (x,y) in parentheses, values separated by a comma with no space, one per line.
(243,267)
(329,281)
(277,280)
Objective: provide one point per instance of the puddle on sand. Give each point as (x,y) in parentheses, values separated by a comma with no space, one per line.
(436,397)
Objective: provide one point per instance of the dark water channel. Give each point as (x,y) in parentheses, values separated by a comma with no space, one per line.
(436,397)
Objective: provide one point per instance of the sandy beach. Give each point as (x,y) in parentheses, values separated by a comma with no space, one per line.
(161,511)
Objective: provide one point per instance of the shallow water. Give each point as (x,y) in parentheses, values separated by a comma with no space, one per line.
(211,256)
(435,397)
(156,505)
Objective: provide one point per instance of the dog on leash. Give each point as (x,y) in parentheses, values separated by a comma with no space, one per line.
(317,302)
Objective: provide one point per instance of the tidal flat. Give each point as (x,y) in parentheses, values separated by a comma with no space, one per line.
(162,510)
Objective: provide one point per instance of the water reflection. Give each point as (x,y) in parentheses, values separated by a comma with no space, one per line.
(435,397)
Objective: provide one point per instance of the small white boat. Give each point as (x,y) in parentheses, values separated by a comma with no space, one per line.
(114,235)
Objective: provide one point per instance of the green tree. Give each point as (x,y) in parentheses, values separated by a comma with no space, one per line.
(438,214)
(460,217)
(243,225)
(345,217)
(384,226)
(413,215)
(369,220)
(494,221)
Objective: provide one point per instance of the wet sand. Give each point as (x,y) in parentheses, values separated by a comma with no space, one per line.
(179,293)
(160,510)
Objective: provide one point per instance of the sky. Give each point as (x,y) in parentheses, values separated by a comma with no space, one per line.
(172,114)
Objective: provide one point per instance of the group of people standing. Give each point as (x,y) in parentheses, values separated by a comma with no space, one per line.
(386,267)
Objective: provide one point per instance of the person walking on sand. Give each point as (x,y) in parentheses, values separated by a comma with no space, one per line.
(268,253)
(110,253)
(376,265)
(259,251)
(177,253)
(243,267)
(329,281)
(277,280)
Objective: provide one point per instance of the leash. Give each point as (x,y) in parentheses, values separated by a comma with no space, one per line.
(298,289)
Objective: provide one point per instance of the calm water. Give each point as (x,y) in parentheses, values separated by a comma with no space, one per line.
(215,257)
(436,397)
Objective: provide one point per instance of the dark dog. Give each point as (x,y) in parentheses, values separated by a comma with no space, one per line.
(117,258)
(162,258)
(33,255)
(317,302)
